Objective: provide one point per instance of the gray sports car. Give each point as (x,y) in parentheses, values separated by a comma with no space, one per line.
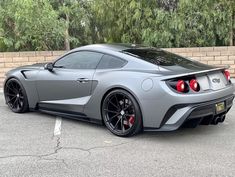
(128,88)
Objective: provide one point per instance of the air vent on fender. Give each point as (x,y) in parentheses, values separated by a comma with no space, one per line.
(23,72)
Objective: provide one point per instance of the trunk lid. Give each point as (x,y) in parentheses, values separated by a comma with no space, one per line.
(213,79)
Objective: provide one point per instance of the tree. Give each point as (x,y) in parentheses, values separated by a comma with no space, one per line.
(65,24)
(29,25)
(230,5)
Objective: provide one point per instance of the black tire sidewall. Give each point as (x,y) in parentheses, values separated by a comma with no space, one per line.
(137,126)
(25,102)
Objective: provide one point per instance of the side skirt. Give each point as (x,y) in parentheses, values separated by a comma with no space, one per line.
(71,115)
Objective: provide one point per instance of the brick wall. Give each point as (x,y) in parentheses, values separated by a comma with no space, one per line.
(10,60)
(218,56)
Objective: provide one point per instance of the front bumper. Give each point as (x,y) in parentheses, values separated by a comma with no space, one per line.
(194,114)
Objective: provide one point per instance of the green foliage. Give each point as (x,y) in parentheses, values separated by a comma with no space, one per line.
(29,25)
(204,23)
(59,24)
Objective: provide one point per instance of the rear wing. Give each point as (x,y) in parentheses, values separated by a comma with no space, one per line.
(203,72)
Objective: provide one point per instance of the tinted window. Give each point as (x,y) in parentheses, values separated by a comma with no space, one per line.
(108,62)
(163,58)
(79,60)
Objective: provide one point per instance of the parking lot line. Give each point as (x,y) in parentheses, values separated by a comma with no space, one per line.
(57,129)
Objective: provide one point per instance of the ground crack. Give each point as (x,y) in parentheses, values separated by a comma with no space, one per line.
(58,147)
(42,156)
(92,148)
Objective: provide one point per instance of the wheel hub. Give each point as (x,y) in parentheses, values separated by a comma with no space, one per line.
(119,113)
(122,112)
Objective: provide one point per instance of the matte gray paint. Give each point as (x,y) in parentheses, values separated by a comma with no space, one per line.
(62,90)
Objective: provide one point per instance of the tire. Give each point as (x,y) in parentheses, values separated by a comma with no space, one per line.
(15,96)
(121,113)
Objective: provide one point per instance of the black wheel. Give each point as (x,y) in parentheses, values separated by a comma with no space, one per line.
(121,113)
(15,96)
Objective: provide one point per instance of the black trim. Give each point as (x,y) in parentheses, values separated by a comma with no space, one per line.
(70,114)
(89,50)
(168,114)
(23,73)
(198,110)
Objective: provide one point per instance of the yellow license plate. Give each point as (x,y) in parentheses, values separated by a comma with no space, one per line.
(220,107)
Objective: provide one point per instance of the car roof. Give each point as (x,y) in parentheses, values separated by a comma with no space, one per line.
(112,47)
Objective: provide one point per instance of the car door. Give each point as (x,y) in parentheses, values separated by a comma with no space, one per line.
(68,85)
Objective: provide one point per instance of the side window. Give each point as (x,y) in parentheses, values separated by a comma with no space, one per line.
(79,60)
(109,62)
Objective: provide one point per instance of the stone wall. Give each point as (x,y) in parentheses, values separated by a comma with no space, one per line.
(218,56)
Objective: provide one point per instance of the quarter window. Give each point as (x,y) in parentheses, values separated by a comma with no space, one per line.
(109,62)
(79,60)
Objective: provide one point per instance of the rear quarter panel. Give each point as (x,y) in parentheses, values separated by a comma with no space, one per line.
(106,80)
(154,102)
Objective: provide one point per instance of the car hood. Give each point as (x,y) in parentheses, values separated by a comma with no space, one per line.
(33,66)
(26,67)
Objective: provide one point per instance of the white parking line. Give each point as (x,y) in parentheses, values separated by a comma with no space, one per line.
(1,90)
(57,130)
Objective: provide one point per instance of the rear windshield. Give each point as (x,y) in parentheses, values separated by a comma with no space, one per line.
(162,58)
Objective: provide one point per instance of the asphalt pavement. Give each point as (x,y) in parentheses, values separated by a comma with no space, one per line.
(39,145)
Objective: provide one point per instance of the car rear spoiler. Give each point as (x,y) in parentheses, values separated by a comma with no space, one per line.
(194,73)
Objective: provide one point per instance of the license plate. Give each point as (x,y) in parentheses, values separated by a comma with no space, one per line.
(220,107)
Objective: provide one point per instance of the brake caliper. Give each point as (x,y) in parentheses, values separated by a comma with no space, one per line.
(131,120)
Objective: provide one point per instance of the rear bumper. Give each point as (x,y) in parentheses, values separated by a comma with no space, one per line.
(155,103)
(195,113)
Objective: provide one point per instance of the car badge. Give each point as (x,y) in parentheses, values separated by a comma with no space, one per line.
(215,80)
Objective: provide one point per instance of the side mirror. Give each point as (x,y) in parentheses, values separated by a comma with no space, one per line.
(48,66)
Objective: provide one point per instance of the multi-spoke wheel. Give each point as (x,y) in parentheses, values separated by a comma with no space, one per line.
(15,96)
(121,113)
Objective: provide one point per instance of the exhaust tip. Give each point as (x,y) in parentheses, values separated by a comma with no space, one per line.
(222,118)
(216,120)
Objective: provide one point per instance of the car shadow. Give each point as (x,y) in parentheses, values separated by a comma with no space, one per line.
(182,134)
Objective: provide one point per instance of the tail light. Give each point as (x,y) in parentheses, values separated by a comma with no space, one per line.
(180,86)
(185,84)
(194,85)
(227,75)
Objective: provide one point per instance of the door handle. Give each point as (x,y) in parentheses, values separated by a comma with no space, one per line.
(83,80)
